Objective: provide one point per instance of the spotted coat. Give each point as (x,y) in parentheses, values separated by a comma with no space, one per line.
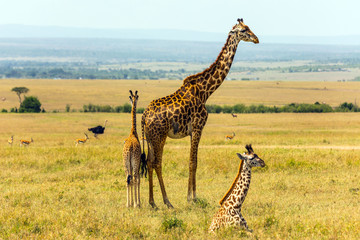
(183,113)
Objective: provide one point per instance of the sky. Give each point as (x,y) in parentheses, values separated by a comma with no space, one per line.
(264,17)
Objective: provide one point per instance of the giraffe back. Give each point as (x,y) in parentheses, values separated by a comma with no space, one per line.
(227,194)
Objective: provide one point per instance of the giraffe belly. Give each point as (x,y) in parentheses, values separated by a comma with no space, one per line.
(172,134)
(179,132)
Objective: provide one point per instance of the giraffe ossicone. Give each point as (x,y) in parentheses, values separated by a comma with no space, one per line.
(229,213)
(183,113)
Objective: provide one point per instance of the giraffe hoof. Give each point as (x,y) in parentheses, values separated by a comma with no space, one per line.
(153,205)
(169,205)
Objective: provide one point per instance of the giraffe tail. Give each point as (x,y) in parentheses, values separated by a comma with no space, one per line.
(129,178)
(143,162)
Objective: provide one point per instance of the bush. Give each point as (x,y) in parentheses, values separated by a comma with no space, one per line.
(30,104)
(347,107)
(67,108)
(126,108)
(4,110)
(292,108)
(172,223)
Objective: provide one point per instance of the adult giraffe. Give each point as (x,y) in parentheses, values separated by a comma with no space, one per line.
(183,113)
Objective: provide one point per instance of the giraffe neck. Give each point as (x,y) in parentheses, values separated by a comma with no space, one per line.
(133,117)
(242,187)
(211,78)
(239,187)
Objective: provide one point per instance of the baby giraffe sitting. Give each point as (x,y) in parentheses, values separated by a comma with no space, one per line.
(229,213)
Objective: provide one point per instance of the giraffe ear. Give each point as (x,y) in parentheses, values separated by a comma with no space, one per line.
(241,156)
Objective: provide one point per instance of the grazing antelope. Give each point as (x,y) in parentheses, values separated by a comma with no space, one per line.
(3,99)
(11,140)
(234,115)
(230,137)
(25,142)
(82,140)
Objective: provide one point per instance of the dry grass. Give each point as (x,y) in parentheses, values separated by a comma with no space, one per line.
(55,94)
(53,190)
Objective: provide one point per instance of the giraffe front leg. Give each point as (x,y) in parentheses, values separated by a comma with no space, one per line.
(243,223)
(195,140)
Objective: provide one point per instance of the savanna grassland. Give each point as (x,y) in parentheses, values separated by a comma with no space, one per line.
(56,94)
(310,188)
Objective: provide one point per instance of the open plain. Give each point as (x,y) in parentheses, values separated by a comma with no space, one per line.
(310,188)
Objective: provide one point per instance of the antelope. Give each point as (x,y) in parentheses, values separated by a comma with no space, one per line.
(25,142)
(234,115)
(11,140)
(82,140)
(230,137)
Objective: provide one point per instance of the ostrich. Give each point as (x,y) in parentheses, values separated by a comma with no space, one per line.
(98,130)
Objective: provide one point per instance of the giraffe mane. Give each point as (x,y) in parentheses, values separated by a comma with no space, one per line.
(227,194)
(193,78)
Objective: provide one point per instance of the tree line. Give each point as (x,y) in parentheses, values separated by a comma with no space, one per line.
(288,108)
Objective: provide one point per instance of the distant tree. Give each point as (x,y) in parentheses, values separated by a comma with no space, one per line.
(19,91)
(30,104)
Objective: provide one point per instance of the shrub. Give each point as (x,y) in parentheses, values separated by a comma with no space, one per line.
(172,223)
(30,104)
(67,108)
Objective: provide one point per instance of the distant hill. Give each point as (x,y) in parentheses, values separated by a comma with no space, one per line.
(27,31)
(94,50)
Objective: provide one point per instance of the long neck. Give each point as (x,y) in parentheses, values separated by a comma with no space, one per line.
(133,117)
(239,187)
(211,78)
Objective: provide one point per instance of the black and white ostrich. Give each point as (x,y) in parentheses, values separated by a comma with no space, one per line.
(98,130)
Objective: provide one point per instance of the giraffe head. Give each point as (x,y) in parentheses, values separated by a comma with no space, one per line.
(133,97)
(250,158)
(243,32)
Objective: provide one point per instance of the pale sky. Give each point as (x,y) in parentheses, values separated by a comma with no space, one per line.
(264,17)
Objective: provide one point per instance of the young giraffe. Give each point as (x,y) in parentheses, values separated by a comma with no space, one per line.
(229,213)
(183,113)
(81,140)
(132,158)
(25,142)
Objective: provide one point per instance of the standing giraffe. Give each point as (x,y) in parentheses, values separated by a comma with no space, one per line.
(229,213)
(183,113)
(132,158)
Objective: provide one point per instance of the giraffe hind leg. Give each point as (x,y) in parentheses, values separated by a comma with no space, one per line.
(158,151)
(150,175)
